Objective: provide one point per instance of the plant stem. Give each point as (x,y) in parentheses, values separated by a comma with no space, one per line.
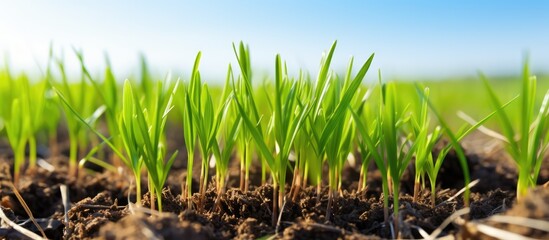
(433,193)
(416,189)
(275,203)
(73,155)
(137,176)
(248,163)
(329,208)
(396,206)
(361,180)
(297,186)
(152,195)
(243,169)
(220,190)
(384,185)
(203,179)
(294,179)
(189,177)
(32,152)
(159,199)
(331,189)
(523,182)
(206,168)
(318,190)
(18,161)
(305,174)
(338,179)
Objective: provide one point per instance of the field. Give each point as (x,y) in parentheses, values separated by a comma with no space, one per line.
(319,155)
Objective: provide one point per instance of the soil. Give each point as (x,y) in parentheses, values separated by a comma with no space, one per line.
(100,208)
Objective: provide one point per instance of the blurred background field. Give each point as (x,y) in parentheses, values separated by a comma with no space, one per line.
(442,45)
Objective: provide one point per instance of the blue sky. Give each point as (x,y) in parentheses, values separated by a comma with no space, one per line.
(410,38)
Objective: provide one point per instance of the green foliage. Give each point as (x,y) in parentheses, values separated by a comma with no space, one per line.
(16,127)
(24,118)
(230,122)
(288,118)
(80,98)
(425,141)
(244,91)
(316,122)
(392,150)
(108,92)
(147,129)
(527,144)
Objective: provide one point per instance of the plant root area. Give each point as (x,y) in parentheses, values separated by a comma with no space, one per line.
(99,206)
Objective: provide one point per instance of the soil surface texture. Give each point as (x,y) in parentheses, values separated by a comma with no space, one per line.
(102,205)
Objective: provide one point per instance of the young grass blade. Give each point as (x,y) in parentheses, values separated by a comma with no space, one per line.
(338,114)
(459,151)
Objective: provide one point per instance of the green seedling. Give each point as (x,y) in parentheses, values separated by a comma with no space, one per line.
(78,97)
(288,118)
(425,141)
(16,128)
(148,124)
(392,150)
(25,120)
(303,150)
(317,122)
(455,138)
(33,97)
(528,144)
(244,87)
(365,111)
(335,137)
(132,147)
(426,163)
(107,91)
(189,134)
(230,122)
(201,123)
(206,121)
(141,129)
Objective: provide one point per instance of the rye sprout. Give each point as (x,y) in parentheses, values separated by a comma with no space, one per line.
(16,127)
(287,119)
(336,136)
(248,104)
(107,91)
(392,152)
(303,150)
(206,122)
(227,136)
(433,168)
(425,141)
(33,97)
(78,97)
(369,116)
(126,122)
(528,144)
(189,131)
(26,121)
(317,120)
(148,124)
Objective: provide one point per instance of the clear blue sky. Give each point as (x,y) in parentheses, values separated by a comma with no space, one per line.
(410,38)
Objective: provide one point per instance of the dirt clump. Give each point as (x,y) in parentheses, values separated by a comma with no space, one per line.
(156,226)
(90,214)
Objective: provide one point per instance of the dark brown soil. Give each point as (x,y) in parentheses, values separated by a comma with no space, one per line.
(100,205)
